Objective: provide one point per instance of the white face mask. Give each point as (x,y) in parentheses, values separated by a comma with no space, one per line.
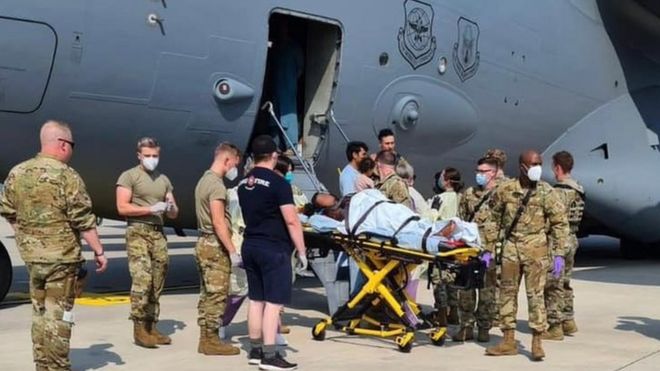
(534,173)
(232,174)
(150,163)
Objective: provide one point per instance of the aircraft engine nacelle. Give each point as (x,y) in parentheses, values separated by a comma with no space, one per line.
(617,161)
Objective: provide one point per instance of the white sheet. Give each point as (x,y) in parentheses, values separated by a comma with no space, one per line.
(386,218)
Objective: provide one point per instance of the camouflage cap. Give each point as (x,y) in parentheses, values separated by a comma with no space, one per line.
(498,155)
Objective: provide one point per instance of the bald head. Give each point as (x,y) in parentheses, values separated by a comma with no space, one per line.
(56,140)
(53,131)
(530,158)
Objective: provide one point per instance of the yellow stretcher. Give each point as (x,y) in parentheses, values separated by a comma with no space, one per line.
(383,308)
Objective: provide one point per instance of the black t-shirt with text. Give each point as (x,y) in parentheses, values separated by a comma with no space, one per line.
(261,194)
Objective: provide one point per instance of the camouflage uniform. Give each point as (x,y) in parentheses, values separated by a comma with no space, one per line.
(526,251)
(558,291)
(498,267)
(486,307)
(49,205)
(396,189)
(213,262)
(148,262)
(398,158)
(444,294)
(146,245)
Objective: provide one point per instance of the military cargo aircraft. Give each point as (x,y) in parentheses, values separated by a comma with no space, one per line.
(451,78)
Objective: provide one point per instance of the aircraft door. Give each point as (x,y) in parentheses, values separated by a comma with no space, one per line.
(301,78)
(26,60)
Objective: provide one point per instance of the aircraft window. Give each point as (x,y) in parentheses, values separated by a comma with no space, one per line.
(383,59)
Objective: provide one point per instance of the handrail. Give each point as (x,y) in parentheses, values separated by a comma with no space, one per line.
(268,106)
(332,119)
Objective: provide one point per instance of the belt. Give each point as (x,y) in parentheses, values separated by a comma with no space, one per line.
(206,234)
(152,227)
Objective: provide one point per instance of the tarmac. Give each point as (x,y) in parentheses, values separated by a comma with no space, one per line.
(617,311)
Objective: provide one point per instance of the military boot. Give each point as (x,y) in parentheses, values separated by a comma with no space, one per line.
(453,319)
(210,344)
(537,349)
(569,327)
(482,335)
(141,335)
(506,347)
(554,332)
(464,334)
(161,339)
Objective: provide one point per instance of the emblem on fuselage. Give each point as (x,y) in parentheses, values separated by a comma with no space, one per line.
(416,41)
(466,49)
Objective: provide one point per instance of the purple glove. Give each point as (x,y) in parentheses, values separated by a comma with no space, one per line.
(487,258)
(558,266)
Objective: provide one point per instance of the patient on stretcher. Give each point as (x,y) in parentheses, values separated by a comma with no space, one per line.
(326,204)
(370,212)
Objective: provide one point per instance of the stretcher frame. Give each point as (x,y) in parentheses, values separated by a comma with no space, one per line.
(384,264)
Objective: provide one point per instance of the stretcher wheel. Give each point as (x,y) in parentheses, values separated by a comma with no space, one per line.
(404,342)
(438,343)
(318,331)
(438,336)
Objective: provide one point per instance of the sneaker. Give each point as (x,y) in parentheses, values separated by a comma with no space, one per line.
(256,356)
(222,332)
(281,340)
(276,363)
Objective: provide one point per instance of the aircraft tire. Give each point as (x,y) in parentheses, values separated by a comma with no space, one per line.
(633,250)
(5,272)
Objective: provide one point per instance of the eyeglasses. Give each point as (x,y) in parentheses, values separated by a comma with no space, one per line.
(71,143)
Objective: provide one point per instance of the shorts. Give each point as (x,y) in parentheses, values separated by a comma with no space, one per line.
(269,273)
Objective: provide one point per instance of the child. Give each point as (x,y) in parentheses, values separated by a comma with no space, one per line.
(366,169)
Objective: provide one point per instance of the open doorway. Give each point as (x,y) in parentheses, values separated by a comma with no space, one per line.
(300,79)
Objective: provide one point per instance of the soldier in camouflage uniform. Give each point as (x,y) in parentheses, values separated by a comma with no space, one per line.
(215,253)
(391,185)
(474,208)
(144,195)
(47,205)
(524,248)
(499,156)
(558,291)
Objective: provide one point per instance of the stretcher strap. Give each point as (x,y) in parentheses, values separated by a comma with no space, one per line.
(362,219)
(429,275)
(425,238)
(413,218)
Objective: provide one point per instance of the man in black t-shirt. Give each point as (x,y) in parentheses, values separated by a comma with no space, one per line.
(272,229)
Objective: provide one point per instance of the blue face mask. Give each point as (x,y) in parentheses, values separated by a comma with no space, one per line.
(481,179)
(288,177)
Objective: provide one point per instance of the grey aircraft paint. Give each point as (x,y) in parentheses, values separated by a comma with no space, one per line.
(452,78)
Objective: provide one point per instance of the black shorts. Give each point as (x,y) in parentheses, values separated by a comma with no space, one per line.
(269,272)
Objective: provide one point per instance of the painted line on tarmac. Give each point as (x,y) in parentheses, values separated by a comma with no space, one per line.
(638,360)
(96,300)
(91,299)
